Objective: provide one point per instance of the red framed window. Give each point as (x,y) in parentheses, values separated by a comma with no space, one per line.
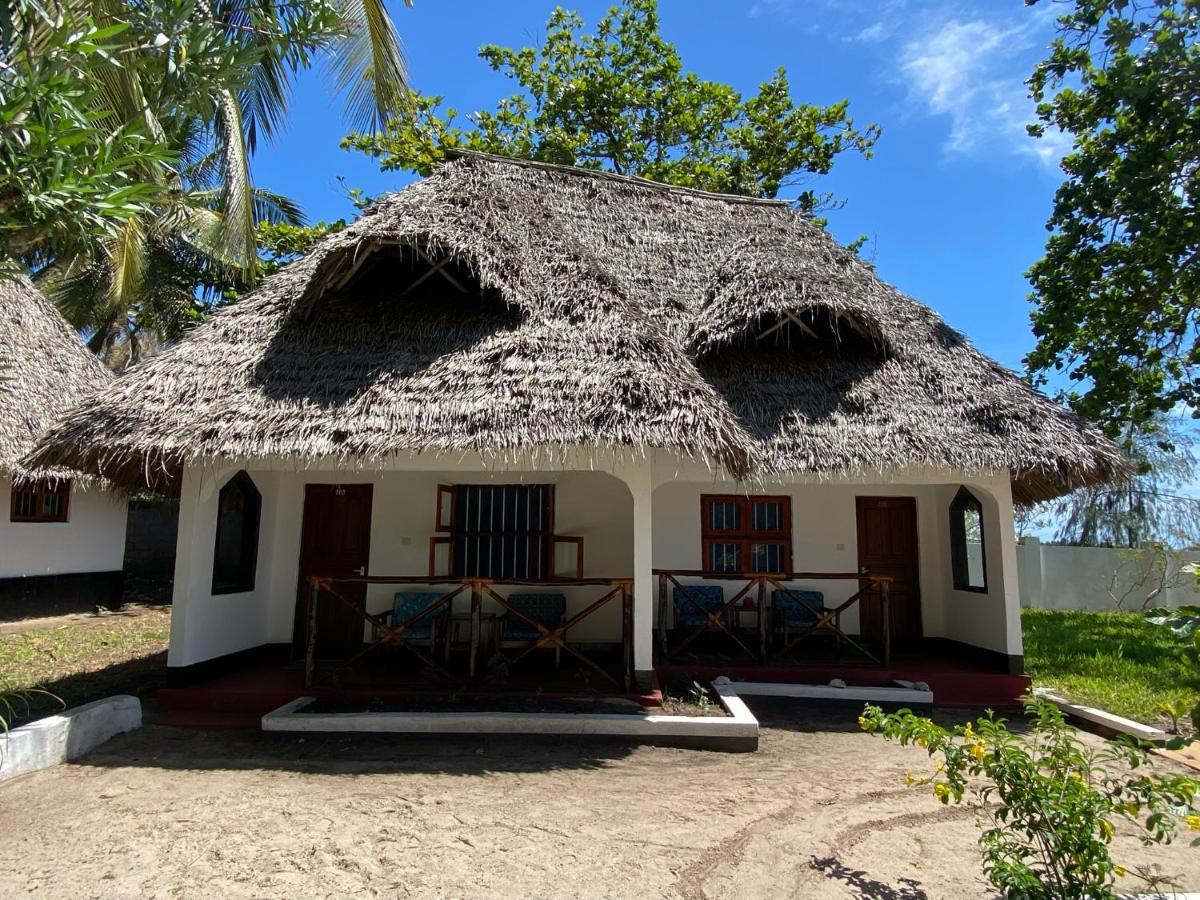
(746,534)
(41,501)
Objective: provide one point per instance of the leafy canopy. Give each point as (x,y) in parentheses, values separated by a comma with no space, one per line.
(619,99)
(1116,293)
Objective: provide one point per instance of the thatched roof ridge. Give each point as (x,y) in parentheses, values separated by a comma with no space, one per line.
(44,369)
(613,312)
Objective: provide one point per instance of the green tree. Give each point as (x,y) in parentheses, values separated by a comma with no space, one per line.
(619,99)
(1151,506)
(65,173)
(1116,293)
(206,79)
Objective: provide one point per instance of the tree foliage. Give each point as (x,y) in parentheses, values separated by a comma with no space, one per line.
(619,99)
(1150,506)
(64,171)
(1116,293)
(205,81)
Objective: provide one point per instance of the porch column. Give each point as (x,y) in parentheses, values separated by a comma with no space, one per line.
(639,478)
(1008,560)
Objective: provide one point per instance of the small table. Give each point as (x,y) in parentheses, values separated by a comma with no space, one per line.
(466,621)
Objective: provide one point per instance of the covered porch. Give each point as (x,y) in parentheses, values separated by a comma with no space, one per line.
(437,577)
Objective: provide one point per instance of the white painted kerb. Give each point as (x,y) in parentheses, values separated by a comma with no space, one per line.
(740,723)
(828,692)
(57,739)
(1105,719)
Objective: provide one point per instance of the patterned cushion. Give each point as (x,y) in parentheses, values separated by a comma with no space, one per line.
(545,609)
(410,604)
(797,614)
(708,596)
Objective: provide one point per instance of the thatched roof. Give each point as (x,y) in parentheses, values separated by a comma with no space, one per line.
(44,370)
(598,311)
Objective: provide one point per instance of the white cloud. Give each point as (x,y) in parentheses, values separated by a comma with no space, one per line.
(972,72)
(873,34)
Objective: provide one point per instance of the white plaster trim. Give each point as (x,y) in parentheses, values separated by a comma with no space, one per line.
(1105,719)
(57,739)
(828,692)
(740,723)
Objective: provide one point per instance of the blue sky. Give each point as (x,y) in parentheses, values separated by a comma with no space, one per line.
(954,201)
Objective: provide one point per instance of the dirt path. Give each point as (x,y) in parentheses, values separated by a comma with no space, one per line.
(820,811)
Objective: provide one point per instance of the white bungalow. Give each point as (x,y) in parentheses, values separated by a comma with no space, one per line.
(61,538)
(702,435)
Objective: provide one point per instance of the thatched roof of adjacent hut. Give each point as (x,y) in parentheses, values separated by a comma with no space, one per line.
(44,370)
(580,309)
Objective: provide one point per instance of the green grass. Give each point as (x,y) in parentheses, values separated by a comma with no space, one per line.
(81,662)
(1112,660)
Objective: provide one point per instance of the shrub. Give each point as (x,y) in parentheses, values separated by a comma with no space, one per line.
(1050,800)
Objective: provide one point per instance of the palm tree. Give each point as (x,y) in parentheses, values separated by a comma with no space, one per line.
(208,80)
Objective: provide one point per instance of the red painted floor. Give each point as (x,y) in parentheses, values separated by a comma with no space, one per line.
(238,700)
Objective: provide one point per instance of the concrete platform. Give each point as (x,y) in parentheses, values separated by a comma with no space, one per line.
(57,739)
(737,732)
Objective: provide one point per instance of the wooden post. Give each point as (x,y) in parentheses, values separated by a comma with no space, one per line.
(887,625)
(310,651)
(476,624)
(762,619)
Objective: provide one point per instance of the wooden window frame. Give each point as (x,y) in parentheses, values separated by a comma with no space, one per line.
(40,490)
(745,536)
(446,526)
(960,568)
(251,537)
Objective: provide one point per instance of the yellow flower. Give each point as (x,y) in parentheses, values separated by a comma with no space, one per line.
(968,732)
(941,792)
(863,723)
(908,779)
(977,751)
(1106,828)
(938,768)
(922,741)
(1119,871)
(1193,822)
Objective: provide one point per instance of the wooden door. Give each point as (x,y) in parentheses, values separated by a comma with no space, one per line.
(887,545)
(337,542)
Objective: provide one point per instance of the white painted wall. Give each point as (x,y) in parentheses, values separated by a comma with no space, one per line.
(91,540)
(1054,576)
(662,495)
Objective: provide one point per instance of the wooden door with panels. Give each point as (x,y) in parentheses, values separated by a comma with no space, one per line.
(336,542)
(887,545)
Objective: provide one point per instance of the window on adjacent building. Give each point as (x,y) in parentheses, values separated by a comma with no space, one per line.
(41,501)
(966,542)
(502,531)
(746,534)
(239,509)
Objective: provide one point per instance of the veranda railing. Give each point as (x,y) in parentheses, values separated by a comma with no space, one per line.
(755,588)
(393,633)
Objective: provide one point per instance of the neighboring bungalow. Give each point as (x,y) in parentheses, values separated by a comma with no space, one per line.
(663,405)
(62,537)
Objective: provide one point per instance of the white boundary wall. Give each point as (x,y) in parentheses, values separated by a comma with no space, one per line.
(1055,576)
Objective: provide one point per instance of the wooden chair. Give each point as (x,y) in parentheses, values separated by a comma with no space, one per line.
(406,606)
(547,610)
(796,611)
(693,600)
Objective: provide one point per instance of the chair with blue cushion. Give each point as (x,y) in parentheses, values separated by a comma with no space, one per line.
(547,610)
(693,600)
(796,611)
(407,605)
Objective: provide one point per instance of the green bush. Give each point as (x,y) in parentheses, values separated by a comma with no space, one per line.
(1051,801)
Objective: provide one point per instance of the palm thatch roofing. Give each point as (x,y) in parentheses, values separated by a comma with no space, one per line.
(501,306)
(44,370)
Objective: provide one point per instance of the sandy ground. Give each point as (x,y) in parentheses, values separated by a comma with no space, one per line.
(820,811)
